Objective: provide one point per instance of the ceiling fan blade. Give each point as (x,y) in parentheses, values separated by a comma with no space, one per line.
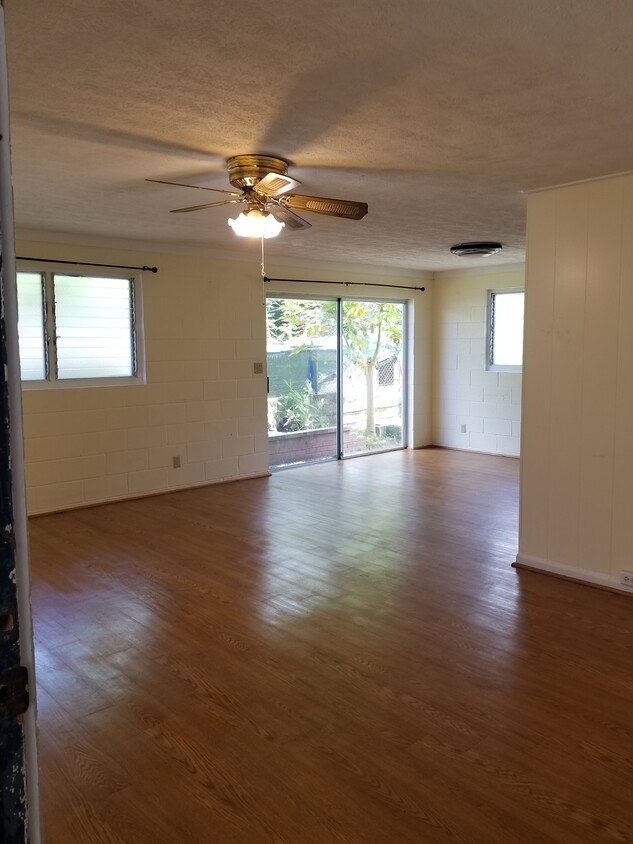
(206,205)
(289,218)
(197,187)
(274,184)
(323,205)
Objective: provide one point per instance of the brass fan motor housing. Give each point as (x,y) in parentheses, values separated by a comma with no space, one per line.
(264,185)
(245,171)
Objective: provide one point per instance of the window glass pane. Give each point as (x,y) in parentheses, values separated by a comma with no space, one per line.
(31,327)
(301,350)
(507,341)
(94,326)
(373,376)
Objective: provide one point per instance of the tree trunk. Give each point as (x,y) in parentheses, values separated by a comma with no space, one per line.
(371,411)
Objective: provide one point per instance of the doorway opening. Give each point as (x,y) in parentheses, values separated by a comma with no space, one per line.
(336,378)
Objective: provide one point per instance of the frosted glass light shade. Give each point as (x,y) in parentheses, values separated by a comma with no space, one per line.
(256,223)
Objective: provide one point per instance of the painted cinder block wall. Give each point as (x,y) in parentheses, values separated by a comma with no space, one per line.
(203,331)
(577,449)
(204,325)
(487,403)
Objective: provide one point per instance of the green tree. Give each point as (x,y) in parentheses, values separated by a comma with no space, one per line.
(367,329)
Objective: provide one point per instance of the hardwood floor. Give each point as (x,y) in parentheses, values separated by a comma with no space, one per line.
(340,653)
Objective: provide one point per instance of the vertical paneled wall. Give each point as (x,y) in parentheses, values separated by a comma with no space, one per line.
(577,448)
(465,395)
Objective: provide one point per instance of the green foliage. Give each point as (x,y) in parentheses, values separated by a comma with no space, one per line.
(300,319)
(368,327)
(300,410)
(372,332)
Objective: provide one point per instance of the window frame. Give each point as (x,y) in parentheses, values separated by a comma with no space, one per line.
(499,367)
(52,381)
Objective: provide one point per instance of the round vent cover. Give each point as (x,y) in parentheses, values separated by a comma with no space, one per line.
(476,249)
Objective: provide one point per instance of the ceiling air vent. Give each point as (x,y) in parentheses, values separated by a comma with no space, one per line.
(476,249)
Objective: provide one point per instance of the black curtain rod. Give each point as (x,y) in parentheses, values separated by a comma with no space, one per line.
(346,283)
(88,264)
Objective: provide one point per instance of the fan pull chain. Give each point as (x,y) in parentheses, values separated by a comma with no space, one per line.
(263,268)
(263,271)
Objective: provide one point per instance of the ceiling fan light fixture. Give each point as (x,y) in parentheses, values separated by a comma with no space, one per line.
(262,182)
(255,223)
(476,249)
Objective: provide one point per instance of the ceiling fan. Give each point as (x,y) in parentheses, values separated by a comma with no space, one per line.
(264,187)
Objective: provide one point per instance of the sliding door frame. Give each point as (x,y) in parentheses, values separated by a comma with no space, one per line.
(405,373)
(339,366)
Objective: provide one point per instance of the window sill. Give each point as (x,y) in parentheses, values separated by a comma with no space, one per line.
(499,368)
(83,383)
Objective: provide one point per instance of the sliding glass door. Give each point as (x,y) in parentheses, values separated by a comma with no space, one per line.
(302,355)
(373,370)
(336,378)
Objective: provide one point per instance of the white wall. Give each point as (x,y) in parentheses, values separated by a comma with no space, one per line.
(577,449)
(204,330)
(464,392)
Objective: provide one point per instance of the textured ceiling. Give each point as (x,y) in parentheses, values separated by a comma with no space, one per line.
(438,113)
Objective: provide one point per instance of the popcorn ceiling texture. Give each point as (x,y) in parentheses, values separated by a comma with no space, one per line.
(436,114)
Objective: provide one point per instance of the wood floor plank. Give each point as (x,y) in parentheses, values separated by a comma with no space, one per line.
(341,653)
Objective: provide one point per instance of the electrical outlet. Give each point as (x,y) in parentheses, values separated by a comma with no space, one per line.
(175,461)
(258,368)
(463,428)
(626,578)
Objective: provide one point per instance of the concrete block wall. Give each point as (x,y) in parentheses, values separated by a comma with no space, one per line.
(319,444)
(204,329)
(473,408)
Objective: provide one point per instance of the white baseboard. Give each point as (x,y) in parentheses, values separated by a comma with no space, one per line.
(86,505)
(474,450)
(590,578)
